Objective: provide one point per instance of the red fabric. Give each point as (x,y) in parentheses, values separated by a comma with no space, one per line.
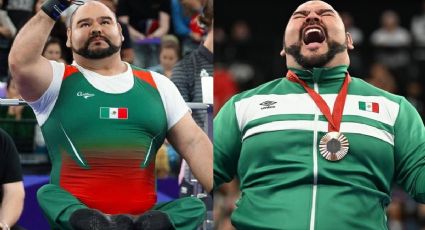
(334,118)
(122,113)
(151,26)
(111,185)
(69,70)
(145,76)
(375,107)
(194,25)
(224,88)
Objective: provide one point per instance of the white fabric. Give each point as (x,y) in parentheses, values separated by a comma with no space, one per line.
(173,102)
(115,84)
(174,105)
(44,105)
(322,126)
(249,109)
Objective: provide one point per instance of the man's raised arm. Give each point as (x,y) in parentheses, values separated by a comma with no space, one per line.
(31,71)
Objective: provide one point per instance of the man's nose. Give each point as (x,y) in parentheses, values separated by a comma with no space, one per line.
(95,32)
(96,29)
(312,18)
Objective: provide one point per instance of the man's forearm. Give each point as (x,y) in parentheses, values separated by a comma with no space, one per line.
(29,42)
(164,25)
(200,159)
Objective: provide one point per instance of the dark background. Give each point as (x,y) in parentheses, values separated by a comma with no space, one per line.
(267,20)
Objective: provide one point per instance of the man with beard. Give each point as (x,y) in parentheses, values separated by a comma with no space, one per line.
(103,121)
(318,149)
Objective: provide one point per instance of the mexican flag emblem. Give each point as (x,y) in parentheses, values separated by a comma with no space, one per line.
(369,106)
(113,113)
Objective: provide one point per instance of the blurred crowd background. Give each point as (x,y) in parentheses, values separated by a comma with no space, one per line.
(389,40)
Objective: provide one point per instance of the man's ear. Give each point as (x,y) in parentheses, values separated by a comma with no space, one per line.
(120,29)
(68,39)
(350,44)
(283,52)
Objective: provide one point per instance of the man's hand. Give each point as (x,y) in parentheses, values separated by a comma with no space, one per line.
(54,8)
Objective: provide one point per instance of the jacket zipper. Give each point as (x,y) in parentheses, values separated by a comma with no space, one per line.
(315,169)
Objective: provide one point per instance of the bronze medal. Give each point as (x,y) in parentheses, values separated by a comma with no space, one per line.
(333,146)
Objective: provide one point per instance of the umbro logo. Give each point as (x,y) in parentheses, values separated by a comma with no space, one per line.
(268,104)
(85,95)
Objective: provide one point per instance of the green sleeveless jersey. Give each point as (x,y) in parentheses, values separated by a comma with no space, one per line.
(103,145)
(268,137)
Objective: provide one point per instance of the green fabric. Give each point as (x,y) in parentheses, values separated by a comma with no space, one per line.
(58,205)
(185,213)
(79,119)
(275,162)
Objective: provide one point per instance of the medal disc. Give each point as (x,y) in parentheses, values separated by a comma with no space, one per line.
(333,146)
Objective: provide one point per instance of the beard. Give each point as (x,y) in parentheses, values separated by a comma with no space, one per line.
(97,53)
(316,61)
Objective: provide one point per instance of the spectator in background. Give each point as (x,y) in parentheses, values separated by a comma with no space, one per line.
(241,56)
(414,95)
(224,87)
(418,27)
(187,74)
(15,112)
(391,43)
(162,165)
(418,32)
(356,63)
(18,121)
(184,14)
(7,32)
(20,11)
(169,55)
(381,77)
(12,191)
(146,21)
(53,50)
(127,51)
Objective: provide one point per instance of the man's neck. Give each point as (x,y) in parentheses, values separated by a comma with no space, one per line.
(108,66)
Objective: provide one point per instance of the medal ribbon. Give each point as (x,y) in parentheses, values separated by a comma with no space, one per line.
(334,119)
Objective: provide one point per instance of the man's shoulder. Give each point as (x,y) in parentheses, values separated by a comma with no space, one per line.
(265,88)
(362,88)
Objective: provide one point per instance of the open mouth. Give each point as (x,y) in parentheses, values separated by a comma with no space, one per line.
(313,34)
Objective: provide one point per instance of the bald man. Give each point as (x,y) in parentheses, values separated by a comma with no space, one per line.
(103,121)
(318,149)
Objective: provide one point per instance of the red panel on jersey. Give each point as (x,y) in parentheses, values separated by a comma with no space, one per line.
(145,76)
(69,70)
(111,185)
